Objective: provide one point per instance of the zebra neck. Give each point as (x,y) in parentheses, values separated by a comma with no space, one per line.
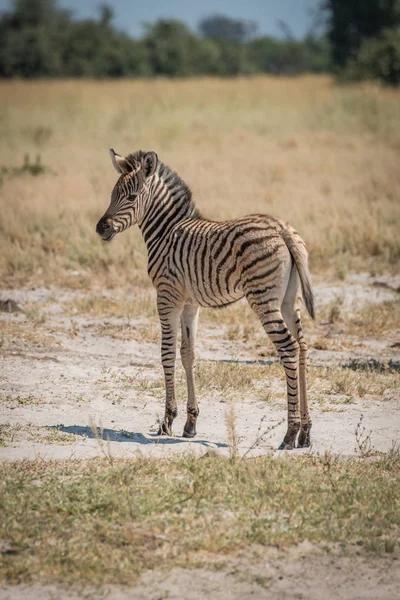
(171,202)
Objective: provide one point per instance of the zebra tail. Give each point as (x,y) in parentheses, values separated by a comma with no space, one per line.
(300,257)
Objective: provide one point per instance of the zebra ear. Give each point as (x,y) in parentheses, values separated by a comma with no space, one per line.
(150,162)
(121,165)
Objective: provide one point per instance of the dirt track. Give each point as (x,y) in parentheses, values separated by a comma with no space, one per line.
(62,375)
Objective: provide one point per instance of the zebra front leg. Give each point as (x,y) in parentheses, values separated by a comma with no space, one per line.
(189,327)
(169,318)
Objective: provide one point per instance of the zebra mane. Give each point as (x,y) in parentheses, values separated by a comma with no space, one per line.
(172,180)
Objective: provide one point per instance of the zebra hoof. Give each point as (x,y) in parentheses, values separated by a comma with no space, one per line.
(306,445)
(165,430)
(286,446)
(304,440)
(189,434)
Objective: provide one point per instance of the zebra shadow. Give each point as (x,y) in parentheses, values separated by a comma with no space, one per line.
(121,435)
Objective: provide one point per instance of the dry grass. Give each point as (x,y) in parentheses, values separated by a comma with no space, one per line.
(321,156)
(103,521)
(142,304)
(228,378)
(11,434)
(121,312)
(338,385)
(14,335)
(361,384)
(373,318)
(376,319)
(29,400)
(143,332)
(232,381)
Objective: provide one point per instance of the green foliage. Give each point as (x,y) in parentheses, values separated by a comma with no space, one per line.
(219,27)
(38,39)
(288,57)
(172,48)
(378,58)
(365,38)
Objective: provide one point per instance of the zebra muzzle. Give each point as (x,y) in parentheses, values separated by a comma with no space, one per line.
(105,229)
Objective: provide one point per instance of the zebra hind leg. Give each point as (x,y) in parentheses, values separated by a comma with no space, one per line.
(288,351)
(291,314)
(305,431)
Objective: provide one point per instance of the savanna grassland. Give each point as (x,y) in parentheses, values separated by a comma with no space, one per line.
(321,156)
(81,382)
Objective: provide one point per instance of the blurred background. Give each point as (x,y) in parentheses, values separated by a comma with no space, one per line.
(72,38)
(287,107)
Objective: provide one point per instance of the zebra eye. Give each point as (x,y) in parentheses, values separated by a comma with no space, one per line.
(132,196)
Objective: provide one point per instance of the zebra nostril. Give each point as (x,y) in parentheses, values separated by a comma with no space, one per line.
(102,226)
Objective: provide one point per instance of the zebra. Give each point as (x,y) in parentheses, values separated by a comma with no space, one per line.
(194,262)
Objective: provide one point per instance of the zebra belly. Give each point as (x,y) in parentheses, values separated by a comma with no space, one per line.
(211,292)
(197,297)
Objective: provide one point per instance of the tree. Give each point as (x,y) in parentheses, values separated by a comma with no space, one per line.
(29,39)
(38,39)
(223,28)
(378,58)
(351,22)
(34,13)
(106,14)
(289,57)
(171,47)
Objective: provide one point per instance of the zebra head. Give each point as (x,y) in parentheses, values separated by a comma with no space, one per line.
(128,198)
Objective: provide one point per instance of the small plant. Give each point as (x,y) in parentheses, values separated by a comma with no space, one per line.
(127,434)
(35,315)
(26,400)
(98,434)
(230,421)
(335,311)
(328,462)
(31,168)
(342,383)
(262,434)
(363,445)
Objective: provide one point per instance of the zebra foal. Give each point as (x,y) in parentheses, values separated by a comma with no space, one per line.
(195,262)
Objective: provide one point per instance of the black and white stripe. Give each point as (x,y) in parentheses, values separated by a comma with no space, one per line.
(195,262)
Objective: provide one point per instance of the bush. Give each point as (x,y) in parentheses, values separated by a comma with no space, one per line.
(378,58)
(38,39)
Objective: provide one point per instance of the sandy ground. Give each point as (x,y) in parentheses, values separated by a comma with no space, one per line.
(298,574)
(69,376)
(62,375)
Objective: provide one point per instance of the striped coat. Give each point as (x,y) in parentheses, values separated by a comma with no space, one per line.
(195,262)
